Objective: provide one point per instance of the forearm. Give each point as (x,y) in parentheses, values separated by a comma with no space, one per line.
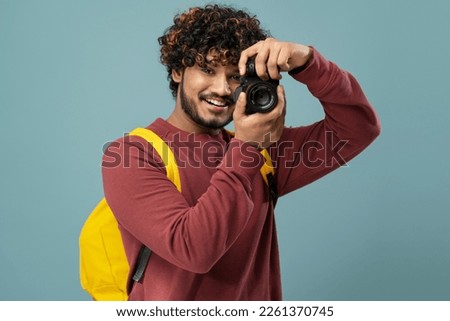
(348,112)
(350,125)
(191,236)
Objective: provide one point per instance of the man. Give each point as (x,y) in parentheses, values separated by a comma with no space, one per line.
(216,240)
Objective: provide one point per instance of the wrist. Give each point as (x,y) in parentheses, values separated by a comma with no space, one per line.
(307,54)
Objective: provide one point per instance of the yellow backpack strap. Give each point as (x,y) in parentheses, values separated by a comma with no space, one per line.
(167,156)
(267,169)
(164,152)
(267,172)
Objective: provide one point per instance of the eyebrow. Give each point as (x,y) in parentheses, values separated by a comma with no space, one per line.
(215,64)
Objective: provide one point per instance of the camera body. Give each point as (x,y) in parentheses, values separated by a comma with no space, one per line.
(261,94)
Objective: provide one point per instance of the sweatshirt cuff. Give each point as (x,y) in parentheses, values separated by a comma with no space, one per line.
(297,70)
(318,74)
(312,70)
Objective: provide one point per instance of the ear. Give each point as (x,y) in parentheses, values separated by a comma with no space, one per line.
(177,75)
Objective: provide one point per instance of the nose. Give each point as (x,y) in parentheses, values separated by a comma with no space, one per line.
(222,86)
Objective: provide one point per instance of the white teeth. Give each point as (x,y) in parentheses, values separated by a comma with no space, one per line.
(216,103)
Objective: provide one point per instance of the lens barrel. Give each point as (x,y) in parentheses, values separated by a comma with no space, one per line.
(261,97)
(261,94)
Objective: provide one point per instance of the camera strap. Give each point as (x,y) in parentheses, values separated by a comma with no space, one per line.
(272,188)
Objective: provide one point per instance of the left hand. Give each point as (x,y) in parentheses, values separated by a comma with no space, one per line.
(260,129)
(273,57)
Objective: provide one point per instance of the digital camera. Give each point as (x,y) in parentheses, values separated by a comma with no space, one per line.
(261,94)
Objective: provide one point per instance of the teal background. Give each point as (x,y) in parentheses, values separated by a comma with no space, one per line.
(76,74)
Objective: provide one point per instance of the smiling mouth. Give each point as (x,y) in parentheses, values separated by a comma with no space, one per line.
(218,102)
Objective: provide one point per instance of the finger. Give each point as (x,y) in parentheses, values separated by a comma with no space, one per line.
(261,62)
(280,121)
(283,60)
(280,109)
(272,64)
(242,65)
(282,99)
(245,55)
(281,94)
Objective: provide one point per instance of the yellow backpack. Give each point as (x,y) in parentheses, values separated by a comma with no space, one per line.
(104,268)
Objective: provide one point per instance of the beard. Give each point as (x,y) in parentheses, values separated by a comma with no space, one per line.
(189,107)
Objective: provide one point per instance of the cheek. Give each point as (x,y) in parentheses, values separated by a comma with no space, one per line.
(195,86)
(194,79)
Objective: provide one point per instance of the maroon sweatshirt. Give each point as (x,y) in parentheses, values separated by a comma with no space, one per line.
(216,240)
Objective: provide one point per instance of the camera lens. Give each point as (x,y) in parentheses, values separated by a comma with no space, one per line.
(262,97)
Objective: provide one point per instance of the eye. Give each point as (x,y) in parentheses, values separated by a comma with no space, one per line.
(207,70)
(236,78)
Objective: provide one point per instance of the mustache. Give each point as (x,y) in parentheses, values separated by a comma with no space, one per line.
(227,99)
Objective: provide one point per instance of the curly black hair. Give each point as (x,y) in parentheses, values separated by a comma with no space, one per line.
(220,31)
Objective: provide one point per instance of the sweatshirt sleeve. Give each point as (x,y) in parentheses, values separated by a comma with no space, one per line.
(151,210)
(306,153)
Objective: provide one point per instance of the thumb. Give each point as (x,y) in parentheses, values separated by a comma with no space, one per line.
(241,102)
